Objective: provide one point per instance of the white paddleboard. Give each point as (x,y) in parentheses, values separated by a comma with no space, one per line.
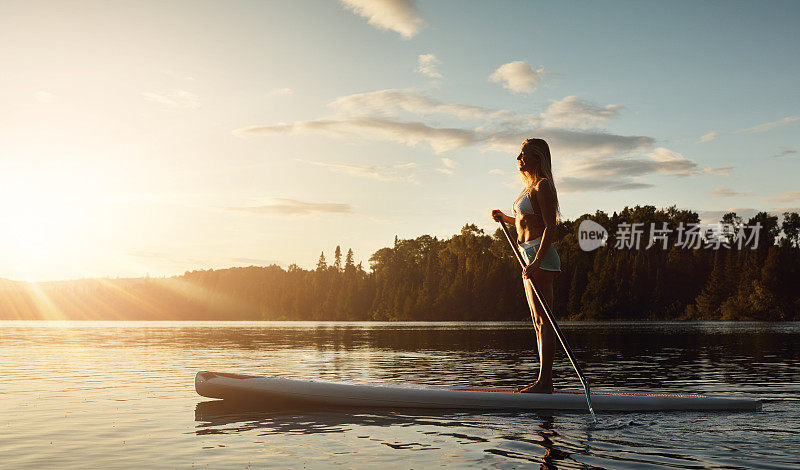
(277,389)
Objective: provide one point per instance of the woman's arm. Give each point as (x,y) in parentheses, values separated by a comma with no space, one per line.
(497,214)
(547,203)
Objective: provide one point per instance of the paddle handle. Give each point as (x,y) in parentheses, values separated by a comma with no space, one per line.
(551,319)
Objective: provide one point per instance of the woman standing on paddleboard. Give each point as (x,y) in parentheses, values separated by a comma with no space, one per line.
(535,213)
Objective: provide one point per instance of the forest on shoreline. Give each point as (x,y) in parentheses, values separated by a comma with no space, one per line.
(471,276)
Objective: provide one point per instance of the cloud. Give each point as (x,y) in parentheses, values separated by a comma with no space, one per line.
(577,113)
(500,130)
(282,206)
(44,97)
(400,16)
(727,192)
(789,197)
(709,137)
(672,163)
(584,159)
(566,142)
(517,76)
(398,172)
(281,91)
(392,102)
(720,170)
(676,164)
(770,125)
(408,133)
(573,184)
(611,173)
(784,152)
(426,65)
(569,143)
(174,98)
(449,163)
(661,161)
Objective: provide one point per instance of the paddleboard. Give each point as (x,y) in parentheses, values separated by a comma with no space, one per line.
(240,387)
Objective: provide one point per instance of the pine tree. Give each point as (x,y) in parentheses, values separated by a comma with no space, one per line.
(337,259)
(322,265)
(349,267)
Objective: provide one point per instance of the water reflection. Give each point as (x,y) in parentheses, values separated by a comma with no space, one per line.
(222,417)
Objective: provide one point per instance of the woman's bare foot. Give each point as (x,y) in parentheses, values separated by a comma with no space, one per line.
(536,387)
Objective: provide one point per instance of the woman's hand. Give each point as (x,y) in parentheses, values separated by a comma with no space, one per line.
(498,215)
(528,270)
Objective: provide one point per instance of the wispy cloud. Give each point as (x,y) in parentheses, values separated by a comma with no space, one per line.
(393,102)
(727,192)
(573,184)
(577,113)
(517,76)
(399,172)
(282,206)
(661,160)
(720,170)
(569,143)
(709,137)
(408,133)
(401,16)
(785,152)
(500,130)
(611,173)
(586,159)
(789,197)
(426,65)
(449,165)
(770,125)
(173,98)
(447,139)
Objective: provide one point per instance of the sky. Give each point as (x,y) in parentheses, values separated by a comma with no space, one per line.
(151,138)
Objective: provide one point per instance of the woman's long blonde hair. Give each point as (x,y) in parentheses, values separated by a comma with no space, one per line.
(543,170)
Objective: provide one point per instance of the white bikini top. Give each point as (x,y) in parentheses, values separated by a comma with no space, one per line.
(524,206)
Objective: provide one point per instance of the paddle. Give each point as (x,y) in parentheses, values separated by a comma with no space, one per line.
(553,323)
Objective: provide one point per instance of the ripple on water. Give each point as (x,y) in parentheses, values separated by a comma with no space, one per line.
(121,395)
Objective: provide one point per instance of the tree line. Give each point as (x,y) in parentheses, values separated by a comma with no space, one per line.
(470,276)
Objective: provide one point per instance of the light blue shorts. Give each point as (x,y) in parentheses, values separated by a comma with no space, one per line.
(550,262)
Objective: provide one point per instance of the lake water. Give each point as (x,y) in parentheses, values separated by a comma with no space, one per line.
(121,395)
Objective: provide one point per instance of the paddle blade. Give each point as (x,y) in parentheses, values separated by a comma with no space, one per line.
(589,401)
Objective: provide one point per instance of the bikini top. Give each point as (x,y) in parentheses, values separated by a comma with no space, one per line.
(524,206)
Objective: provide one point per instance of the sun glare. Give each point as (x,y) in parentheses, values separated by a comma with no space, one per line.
(42,219)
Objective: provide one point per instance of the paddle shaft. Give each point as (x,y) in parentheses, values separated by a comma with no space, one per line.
(550,318)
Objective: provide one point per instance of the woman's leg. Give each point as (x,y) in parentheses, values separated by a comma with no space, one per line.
(545,336)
